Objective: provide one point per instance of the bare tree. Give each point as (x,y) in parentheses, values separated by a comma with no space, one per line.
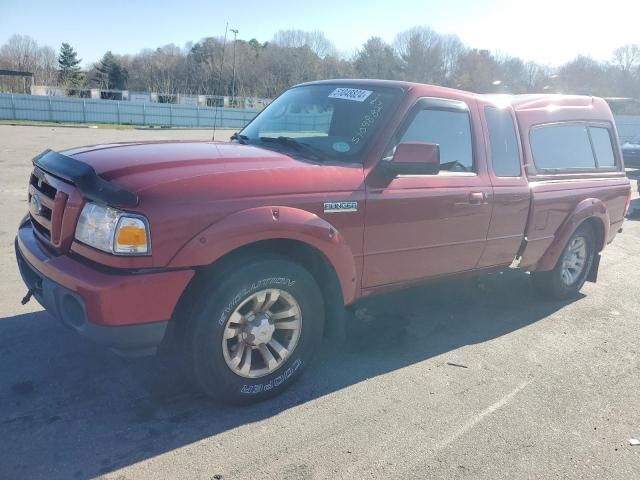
(537,77)
(477,70)
(46,68)
(22,53)
(264,69)
(452,50)
(316,40)
(626,64)
(420,49)
(376,59)
(586,76)
(627,57)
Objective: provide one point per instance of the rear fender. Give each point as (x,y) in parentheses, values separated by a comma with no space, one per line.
(269,223)
(586,209)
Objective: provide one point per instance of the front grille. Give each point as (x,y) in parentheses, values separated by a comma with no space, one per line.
(46,205)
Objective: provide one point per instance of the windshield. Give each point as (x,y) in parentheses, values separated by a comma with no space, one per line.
(325,121)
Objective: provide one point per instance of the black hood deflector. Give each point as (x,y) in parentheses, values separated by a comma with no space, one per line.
(85,178)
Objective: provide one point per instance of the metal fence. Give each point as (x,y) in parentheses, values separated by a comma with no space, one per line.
(310,122)
(65,109)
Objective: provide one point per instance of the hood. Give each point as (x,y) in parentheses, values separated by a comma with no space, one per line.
(214,170)
(169,161)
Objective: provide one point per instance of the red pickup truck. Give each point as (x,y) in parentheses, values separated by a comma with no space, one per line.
(246,250)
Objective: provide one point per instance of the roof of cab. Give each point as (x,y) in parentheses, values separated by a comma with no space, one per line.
(518,102)
(435,89)
(363,81)
(539,106)
(536,101)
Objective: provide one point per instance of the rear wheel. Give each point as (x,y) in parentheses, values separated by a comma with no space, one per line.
(255,330)
(572,269)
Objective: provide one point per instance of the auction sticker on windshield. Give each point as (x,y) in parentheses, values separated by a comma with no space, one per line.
(354,94)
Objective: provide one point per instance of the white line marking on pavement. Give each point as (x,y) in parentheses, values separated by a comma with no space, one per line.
(385,451)
(480,416)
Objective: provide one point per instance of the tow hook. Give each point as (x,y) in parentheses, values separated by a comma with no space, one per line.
(27,297)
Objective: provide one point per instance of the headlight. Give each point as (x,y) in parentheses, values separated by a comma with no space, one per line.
(113,231)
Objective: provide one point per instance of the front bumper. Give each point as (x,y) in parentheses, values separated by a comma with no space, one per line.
(127,311)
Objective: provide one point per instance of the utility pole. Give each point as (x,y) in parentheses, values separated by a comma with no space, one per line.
(233,81)
(215,114)
(224,44)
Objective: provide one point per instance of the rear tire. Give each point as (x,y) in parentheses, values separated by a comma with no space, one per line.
(572,269)
(254,330)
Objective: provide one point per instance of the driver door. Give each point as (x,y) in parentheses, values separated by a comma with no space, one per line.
(423,226)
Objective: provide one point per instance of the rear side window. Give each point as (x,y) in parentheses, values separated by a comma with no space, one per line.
(505,154)
(566,146)
(562,147)
(602,146)
(448,128)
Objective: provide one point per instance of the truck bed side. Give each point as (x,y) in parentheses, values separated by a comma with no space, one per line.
(555,203)
(566,187)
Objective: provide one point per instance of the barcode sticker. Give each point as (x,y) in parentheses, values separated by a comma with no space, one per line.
(354,94)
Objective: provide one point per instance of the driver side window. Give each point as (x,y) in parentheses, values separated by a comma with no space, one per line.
(451,129)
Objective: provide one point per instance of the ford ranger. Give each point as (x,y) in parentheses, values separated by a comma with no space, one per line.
(246,250)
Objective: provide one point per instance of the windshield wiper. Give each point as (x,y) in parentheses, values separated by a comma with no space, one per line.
(243,139)
(299,146)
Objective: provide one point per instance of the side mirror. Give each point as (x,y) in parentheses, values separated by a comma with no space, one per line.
(415,158)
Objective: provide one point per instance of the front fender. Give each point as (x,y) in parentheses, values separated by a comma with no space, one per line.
(269,223)
(587,208)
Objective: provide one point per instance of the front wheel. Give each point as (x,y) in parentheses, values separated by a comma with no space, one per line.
(572,269)
(255,330)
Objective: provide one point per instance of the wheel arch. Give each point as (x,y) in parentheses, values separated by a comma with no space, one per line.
(291,233)
(590,211)
(301,253)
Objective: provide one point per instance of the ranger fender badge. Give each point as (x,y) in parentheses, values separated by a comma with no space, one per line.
(335,207)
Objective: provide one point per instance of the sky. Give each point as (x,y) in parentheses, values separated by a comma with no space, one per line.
(547,31)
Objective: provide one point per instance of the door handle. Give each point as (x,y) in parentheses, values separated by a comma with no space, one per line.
(477,198)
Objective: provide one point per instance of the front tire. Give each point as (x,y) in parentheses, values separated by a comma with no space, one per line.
(572,269)
(254,330)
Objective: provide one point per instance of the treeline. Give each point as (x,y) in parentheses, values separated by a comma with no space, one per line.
(265,69)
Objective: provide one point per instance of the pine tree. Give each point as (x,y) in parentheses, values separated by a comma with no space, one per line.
(69,66)
(110,74)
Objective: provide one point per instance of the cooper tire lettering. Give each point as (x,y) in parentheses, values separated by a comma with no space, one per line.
(276,382)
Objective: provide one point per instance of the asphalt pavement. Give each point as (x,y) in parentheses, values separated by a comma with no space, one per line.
(477,379)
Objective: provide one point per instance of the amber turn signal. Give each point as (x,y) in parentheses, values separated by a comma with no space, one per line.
(131,236)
